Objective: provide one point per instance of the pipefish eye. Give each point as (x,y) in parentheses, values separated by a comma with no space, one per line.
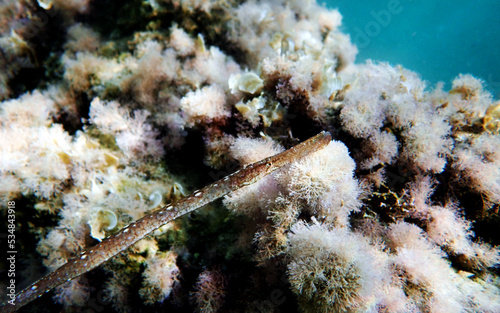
(268,164)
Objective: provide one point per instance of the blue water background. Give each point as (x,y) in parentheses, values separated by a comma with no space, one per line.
(436,38)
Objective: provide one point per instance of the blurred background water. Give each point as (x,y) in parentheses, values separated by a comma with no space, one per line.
(436,38)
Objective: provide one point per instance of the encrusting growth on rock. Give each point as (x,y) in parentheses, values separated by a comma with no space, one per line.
(110,109)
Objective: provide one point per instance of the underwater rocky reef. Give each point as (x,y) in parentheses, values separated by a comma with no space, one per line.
(111,109)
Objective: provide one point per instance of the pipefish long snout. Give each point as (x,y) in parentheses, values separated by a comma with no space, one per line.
(130,234)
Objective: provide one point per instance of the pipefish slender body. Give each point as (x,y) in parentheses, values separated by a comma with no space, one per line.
(130,234)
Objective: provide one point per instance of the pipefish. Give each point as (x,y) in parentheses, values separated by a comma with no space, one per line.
(130,234)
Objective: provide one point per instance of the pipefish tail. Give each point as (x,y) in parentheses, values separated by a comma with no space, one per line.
(130,234)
